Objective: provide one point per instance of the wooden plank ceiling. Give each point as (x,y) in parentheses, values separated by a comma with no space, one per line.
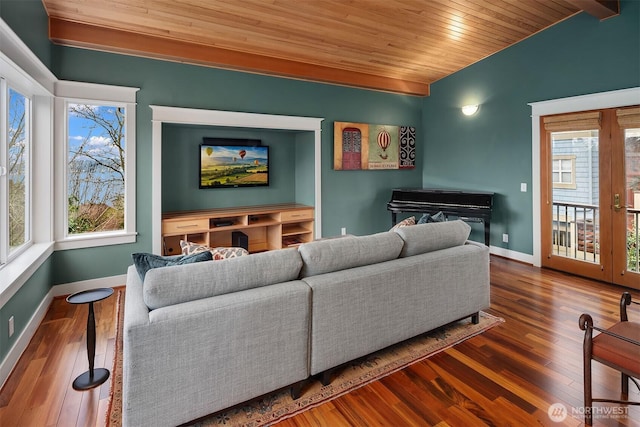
(392,45)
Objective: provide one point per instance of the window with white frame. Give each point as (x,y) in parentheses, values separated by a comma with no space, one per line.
(15,170)
(564,171)
(26,174)
(97,154)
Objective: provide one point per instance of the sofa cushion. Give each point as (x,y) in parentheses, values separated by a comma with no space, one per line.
(175,285)
(324,256)
(432,236)
(145,262)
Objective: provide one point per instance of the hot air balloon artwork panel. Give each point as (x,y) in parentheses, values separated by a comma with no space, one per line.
(233,166)
(383,147)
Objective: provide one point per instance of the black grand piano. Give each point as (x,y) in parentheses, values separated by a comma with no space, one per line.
(470,206)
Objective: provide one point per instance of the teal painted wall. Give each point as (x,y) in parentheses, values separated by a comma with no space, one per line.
(492,150)
(352,199)
(305,168)
(23,305)
(29,20)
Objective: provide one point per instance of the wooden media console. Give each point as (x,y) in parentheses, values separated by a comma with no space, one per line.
(267,227)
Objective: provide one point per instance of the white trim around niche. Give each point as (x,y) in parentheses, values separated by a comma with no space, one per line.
(191,116)
(595,101)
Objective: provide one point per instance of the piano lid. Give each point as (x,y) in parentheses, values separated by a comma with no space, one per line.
(442,196)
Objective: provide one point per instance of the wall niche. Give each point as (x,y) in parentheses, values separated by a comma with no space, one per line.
(177,133)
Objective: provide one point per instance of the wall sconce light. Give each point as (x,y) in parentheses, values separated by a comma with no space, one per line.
(469,110)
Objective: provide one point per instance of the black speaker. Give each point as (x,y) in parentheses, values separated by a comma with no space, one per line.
(239,240)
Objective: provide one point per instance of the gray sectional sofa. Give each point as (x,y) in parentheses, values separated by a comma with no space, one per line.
(199,338)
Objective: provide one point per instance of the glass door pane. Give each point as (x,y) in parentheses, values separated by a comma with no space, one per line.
(632,193)
(575,216)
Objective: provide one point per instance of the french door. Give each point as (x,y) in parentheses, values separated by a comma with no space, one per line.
(590,194)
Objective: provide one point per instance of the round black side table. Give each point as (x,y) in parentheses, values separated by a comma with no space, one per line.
(93,377)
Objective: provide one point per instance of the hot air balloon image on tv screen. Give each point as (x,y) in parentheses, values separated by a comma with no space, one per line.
(224,166)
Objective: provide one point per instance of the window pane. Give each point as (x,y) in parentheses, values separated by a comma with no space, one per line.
(566,177)
(18,171)
(95,169)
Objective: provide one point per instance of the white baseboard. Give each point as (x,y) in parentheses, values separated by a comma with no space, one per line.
(29,331)
(507,253)
(103,282)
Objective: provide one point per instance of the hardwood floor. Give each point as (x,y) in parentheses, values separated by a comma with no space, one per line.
(509,375)
(39,392)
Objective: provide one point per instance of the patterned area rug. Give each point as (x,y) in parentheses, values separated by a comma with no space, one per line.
(277,406)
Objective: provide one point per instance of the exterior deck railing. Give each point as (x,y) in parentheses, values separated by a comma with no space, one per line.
(576,233)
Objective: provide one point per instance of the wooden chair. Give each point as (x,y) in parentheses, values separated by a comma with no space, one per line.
(617,347)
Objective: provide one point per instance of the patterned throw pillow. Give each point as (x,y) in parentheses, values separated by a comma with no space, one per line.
(216,253)
(404,223)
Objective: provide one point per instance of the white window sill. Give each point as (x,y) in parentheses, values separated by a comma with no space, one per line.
(17,271)
(95,240)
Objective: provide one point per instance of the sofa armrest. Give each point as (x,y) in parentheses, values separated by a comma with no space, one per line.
(478,244)
(137,312)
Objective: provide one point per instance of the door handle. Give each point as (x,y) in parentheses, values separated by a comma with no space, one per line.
(616,202)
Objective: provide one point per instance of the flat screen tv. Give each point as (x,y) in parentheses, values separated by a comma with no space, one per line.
(229,166)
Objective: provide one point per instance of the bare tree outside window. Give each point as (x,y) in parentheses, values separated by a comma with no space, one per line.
(95,168)
(17,168)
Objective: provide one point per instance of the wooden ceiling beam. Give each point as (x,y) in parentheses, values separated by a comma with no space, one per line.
(601,9)
(70,33)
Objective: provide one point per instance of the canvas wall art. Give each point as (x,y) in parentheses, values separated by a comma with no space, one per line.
(362,146)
